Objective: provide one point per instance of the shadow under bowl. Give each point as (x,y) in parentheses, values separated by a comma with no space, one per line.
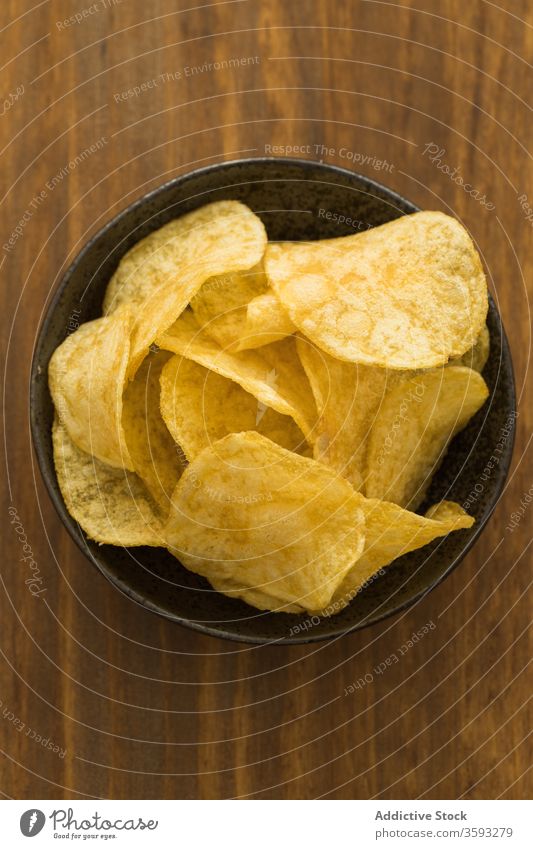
(296,199)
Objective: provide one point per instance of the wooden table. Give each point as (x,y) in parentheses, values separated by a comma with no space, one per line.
(135,706)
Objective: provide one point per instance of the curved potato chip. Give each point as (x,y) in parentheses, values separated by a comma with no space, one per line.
(391,532)
(413,428)
(255,598)
(476,357)
(273,374)
(266,321)
(111,505)
(86,375)
(348,397)
(163,272)
(449,511)
(408,294)
(239,311)
(200,406)
(220,305)
(156,458)
(248,511)
(196,237)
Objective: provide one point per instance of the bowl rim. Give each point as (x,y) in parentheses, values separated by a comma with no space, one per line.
(50,479)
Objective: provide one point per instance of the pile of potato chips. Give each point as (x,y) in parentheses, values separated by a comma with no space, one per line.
(272,413)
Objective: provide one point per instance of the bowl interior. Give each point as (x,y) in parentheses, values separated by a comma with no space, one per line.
(296,200)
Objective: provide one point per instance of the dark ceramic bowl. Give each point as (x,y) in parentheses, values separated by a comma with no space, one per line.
(296,200)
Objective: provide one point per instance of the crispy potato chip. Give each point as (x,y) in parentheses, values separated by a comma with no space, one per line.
(390,532)
(348,397)
(220,305)
(163,272)
(409,294)
(449,511)
(86,375)
(184,241)
(253,597)
(413,429)
(200,406)
(273,374)
(266,321)
(476,357)
(247,511)
(156,458)
(240,312)
(111,505)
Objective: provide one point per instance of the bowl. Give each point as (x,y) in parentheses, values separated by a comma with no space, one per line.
(296,199)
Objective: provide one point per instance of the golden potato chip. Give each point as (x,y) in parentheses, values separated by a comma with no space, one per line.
(273,374)
(161,274)
(247,511)
(449,511)
(196,237)
(348,397)
(409,294)
(200,406)
(476,356)
(156,458)
(412,430)
(220,305)
(253,597)
(240,312)
(390,532)
(111,505)
(266,321)
(86,375)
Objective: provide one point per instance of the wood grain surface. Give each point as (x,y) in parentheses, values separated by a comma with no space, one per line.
(138,707)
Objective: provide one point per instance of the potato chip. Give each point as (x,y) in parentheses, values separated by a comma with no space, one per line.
(220,305)
(163,272)
(348,397)
(476,357)
(273,374)
(111,505)
(200,406)
(86,375)
(156,458)
(196,237)
(409,294)
(391,532)
(240,312)
(255,598)
(413,429)
(247,511)
(266,321)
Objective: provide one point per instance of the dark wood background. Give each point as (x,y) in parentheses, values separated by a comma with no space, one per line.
(144,708)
